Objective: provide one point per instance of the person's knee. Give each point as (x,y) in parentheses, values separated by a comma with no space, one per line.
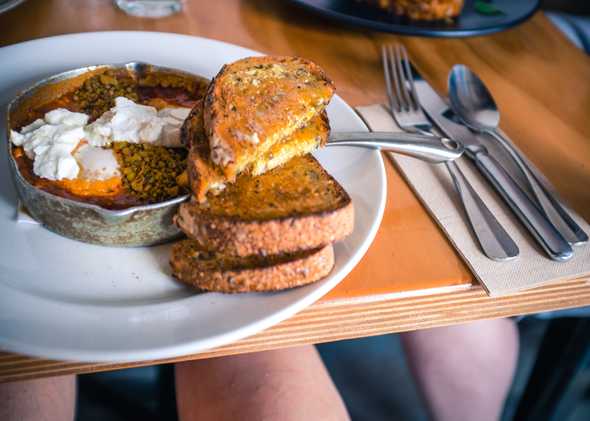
(474,360)
(455,355)
(289,384)
(496,343)
(45,399)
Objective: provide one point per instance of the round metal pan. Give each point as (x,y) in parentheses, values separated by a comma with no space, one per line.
(134,226)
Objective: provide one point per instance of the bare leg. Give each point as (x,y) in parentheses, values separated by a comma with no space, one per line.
(464,371)
(51,399)
(287,385)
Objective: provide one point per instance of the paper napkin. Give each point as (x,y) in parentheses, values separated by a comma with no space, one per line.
(434,187)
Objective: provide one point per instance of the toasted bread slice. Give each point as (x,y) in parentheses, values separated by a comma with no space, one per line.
(204,175)
(256,102)
(297,206)
(301,142)
(217,272)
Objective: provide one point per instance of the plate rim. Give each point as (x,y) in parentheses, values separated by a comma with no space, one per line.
(200,345)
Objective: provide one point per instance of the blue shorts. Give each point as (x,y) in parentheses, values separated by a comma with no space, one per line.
(570,312)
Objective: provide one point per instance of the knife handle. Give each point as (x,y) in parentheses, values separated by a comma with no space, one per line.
(493,238)
(558,216)
(529,214)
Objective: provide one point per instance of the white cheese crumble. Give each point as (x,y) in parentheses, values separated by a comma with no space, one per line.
(173,120)
(50,142)
(96,163)
(135,123)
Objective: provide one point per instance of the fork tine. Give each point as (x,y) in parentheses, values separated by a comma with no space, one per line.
(393,78)
(404,94)
(410,78)
(397,80)
(393,104)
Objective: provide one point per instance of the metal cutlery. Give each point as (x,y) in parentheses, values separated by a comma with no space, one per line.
(475,106)
(533,218)
(405,107)
(424,147)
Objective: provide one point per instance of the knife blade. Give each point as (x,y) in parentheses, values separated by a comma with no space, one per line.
(546,235)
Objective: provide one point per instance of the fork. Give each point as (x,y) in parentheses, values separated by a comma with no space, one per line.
(409,116)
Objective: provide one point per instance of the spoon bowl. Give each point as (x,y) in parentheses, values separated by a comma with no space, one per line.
(471,100)
(474,105)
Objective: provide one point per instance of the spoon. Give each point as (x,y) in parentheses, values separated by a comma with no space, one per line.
(475,106)
(428,148)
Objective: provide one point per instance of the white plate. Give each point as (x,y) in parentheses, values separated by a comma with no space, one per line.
(64,299)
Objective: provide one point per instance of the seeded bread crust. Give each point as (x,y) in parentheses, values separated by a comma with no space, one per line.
(213,273)
(255,102)
(297,206)
(243,238)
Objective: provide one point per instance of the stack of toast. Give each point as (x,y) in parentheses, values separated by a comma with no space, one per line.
(264,213)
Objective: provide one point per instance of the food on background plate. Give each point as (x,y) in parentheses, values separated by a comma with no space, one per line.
(426,10)
(264,213)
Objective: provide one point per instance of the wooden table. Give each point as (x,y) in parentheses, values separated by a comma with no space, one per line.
(411,277)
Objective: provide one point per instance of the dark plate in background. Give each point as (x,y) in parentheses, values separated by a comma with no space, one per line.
(469,23)
(6,5)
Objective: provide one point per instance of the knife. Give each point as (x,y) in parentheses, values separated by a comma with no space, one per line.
(546,235)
